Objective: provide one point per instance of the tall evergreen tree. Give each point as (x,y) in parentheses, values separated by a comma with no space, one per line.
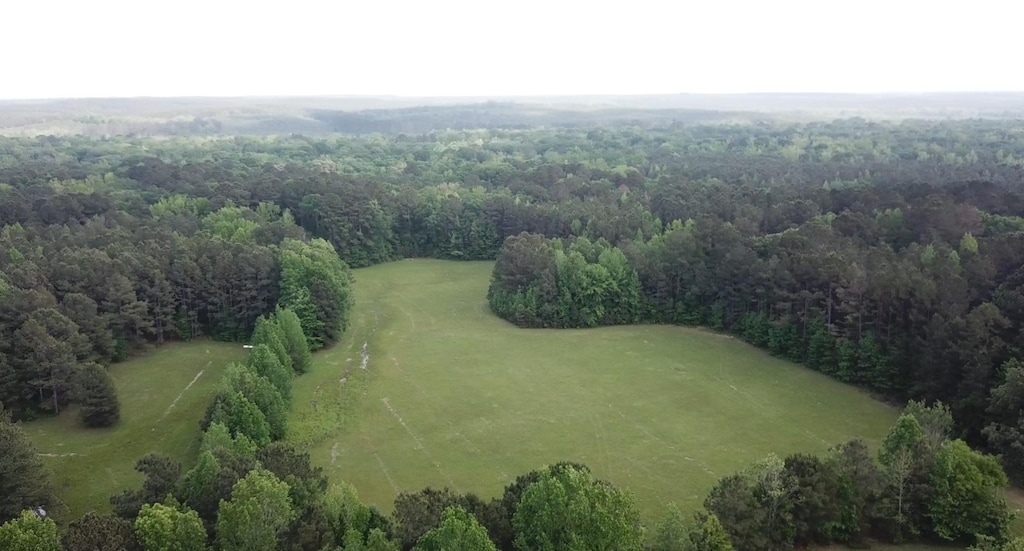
(99,406)
(24,481)
(295,341)
(266,364)
(243,418)
(269,334)
(259,390)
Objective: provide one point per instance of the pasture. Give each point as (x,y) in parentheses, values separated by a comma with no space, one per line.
(454,396)
(163,397)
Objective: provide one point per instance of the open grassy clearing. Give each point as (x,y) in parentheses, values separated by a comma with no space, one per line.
(454,396)
(163,396)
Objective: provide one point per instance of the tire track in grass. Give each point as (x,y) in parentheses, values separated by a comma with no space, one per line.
(387,474)
(603,442)
(182,393)
(419,444)
(703,466)
(422,391)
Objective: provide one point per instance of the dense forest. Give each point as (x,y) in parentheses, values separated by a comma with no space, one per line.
(889,255)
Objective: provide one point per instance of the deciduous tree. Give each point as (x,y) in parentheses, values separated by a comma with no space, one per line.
(29,532)
(259,510)
(169,527)
(572,510)
(458,530)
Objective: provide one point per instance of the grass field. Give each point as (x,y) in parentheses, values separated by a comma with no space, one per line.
(163,396)
(453,396)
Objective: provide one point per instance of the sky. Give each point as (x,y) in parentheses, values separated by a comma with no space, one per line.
(115,48)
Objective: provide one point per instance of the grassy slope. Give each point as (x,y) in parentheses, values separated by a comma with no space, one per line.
(90,465)
(455,396)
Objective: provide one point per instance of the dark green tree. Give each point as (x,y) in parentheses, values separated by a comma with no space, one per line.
(24,481)
(1005,433)
(572,510)
(99,406)
(161,474)
(817,500)
(200,487)
(859,485)
(100,532)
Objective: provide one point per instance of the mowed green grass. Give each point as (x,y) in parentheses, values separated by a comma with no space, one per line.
(163,398)
(454,396)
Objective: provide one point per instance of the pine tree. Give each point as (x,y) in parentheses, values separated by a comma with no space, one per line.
(269,333)
(24,482)
(259,390)
(98,397)
(265,363)
(242,417)
(295,341)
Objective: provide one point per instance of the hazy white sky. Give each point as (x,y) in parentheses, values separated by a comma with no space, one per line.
(71,48)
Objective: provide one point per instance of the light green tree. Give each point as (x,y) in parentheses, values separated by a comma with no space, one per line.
(169,527)
(242,417)
(936,422)
(29,532)
(258,512)
(901,457)
(259,390)
(294,339)
(707,534)
(967,499)
(344,511)
(458,530)
(573,511)
(218,435)
(232,224)
(988,543)
(315,284)
(265,363)
(672,533)
(968,244)
(269,333)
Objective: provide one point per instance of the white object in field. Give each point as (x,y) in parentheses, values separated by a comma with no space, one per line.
(247,346)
